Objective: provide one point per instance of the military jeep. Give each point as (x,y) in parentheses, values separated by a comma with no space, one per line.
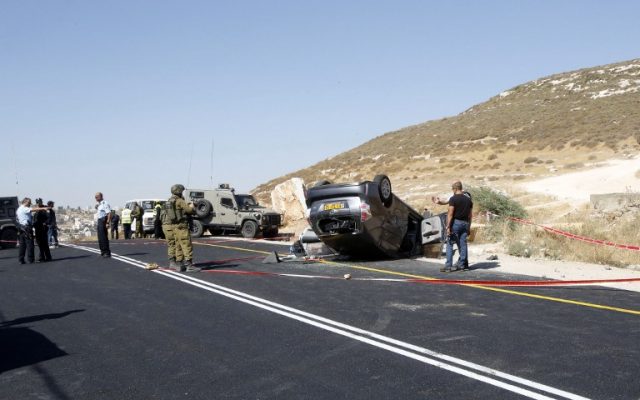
(221,211)
(8,229)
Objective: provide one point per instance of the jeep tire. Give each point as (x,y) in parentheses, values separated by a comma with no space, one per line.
(203,207)
(8,238)
(196,228)
(249,229)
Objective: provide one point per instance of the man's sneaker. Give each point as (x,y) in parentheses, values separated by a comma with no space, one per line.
(173,264)
(193,269)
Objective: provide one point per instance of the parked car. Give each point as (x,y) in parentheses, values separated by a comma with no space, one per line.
(8,229)
(149,216)
(221,210)
(364,220)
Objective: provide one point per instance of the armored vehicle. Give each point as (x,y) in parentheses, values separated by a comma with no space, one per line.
(222,210)
(8,229)
(364,219)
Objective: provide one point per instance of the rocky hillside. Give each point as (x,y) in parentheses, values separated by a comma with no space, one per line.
(565,121)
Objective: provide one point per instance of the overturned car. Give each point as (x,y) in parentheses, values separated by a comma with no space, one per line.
(364,220)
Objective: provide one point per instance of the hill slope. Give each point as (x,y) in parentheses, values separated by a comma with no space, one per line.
(564,121)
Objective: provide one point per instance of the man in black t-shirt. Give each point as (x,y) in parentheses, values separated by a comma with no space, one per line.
(459,218)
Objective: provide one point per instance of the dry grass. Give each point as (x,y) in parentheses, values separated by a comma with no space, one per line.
(526,240)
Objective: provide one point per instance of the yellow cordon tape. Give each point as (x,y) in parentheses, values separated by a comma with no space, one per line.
(470,284)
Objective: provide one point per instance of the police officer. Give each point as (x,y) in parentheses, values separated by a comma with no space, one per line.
(126,223)
(40,220)
(176,230)
(25,234)
(104,218)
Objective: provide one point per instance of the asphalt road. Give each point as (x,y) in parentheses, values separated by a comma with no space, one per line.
(84,327)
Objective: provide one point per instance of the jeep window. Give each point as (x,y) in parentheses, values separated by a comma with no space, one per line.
(245,200)
(196,195)
(226,202)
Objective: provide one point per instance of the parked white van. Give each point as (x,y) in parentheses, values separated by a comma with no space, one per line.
(149,216)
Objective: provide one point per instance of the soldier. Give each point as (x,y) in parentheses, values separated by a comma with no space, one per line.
(176,230)
(137,212)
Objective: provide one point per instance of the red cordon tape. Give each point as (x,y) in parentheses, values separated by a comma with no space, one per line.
(437,281)
(574,236)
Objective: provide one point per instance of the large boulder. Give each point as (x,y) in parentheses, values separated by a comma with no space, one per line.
(288,198)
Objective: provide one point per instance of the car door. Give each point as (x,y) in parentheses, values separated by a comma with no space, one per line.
(228,211)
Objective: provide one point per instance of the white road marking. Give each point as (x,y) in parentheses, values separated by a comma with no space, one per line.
(408,350)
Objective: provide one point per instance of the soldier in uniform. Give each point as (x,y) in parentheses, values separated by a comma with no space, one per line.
(176,230)
(137,213)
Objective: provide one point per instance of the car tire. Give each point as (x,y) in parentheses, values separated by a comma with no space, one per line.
(216,231)
(249,229)
(321,183)
(8,238)
(203,207)
(196,228)
(384,189)
(270,233)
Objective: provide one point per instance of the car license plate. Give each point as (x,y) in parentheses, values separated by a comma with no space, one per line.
(334,206)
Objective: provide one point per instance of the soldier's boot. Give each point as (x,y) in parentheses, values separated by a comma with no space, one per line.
(181,267)
(188,264)
(173,264)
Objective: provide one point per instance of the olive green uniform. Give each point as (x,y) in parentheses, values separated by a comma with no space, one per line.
(137,213)
(176,228)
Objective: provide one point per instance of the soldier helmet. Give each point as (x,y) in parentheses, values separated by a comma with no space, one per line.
(177,189)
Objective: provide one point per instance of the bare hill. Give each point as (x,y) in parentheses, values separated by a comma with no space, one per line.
(540,128)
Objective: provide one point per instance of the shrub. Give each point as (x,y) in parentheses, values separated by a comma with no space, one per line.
(530,160)
(486,199)
(492,156)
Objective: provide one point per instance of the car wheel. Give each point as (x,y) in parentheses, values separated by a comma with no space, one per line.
(196,228)
(203,207)
(321,183)
(8,238)
(270,233)
(249,229)
(384,189)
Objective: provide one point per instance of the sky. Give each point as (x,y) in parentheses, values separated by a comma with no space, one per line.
(131,97)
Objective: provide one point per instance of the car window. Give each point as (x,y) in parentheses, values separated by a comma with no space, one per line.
(226,202)
(196,195)
(245,200)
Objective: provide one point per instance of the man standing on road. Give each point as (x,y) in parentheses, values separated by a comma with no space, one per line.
(53,225)
(176,230)
(40,220)
(115,221)
(126,223)
(137,212)
(157,222)
(459,218)
(104,218)
(25,233)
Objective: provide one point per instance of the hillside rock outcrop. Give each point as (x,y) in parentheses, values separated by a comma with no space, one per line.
(288,198)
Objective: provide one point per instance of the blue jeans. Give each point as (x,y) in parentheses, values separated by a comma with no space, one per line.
(459,233)
(53,235)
